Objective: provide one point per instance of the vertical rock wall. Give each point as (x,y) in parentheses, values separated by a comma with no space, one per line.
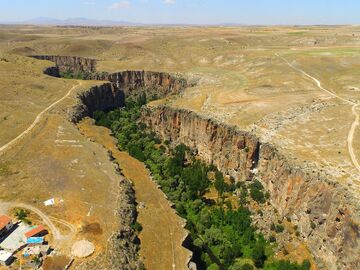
(98,98)
(328,220)
(70,63)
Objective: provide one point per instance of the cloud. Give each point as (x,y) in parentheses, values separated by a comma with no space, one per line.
(120,5)
(169,2)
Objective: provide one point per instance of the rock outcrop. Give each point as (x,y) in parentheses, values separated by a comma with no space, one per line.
(70,63)
(103,97)
(132,83)
(327,218)
(153,84)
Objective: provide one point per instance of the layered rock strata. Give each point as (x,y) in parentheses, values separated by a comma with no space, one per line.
(97,98)
(153,84)
(70,63)
(327,218)
(132,83)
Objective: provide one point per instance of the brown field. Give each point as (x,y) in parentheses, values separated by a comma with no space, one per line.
(251,77)
(162,236)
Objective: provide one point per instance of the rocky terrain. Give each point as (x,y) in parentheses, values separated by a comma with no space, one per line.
(153,84)
(325,216)
(69,63)
(123,245)
(102,97)
(251,114)
(305,197)
(125,84)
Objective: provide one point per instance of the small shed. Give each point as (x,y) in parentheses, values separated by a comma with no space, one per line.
(5,257)
(36,232)
(49,202)
(33,241)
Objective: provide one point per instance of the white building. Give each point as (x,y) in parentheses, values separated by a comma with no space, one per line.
(5,257)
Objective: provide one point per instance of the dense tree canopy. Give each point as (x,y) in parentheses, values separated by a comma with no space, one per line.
(221,235)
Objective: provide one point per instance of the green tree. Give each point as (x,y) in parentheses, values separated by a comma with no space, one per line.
(136,152)
(213,267)
(21,214)
(258,255)
(256,192)
(220,184)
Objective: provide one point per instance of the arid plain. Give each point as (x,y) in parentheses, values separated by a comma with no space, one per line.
(297,88)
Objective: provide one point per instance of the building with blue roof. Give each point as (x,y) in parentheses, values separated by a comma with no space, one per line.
(35,241)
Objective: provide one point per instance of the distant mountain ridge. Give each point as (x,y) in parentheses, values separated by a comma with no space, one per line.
(75,21)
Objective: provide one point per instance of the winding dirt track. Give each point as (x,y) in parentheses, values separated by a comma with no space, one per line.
(46,219)
(355,105)
(37,120)
(351,137)
(56,233)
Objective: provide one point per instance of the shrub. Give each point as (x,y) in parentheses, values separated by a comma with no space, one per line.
(286,265)
(136,152)
(258,255)
(312,225)
(137,226)
(256,192)
(279,228)
(272,239)
(213,267)
(247,267)
(22,215)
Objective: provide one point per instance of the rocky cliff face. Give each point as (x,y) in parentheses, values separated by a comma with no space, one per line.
(102,97)
(131,83)
(328,220)
(153,84)
(124,84)
(70,63)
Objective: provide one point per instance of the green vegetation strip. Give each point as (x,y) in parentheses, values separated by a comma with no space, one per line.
(222,236)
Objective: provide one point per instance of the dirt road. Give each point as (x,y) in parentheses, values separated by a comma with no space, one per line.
(4,206)
(350,138)
(37,120)
(354,105)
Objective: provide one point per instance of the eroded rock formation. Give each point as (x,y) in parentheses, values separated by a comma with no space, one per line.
(69,63)
(153,84)
(102,97)
(132,83)
(327,219)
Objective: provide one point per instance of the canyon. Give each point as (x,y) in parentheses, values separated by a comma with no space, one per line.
(252,113)
(304,196)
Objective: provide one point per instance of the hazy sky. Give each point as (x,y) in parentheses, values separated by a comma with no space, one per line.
(189,11)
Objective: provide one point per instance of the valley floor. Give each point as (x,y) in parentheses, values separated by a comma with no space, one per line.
(163,233)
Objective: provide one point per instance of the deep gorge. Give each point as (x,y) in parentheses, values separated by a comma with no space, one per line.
(325,218)
(221,234)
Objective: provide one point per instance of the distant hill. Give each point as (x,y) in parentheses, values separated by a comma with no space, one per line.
(75,21)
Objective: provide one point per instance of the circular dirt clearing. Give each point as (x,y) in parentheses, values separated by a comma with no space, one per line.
(82,249)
